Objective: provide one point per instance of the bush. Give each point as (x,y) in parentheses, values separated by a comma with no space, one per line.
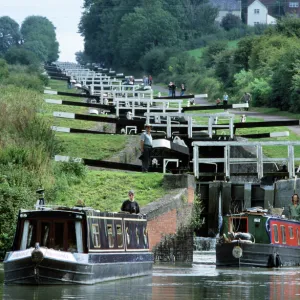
(11,200)
(3,69)
(231,21)
(23,80)
(18,55)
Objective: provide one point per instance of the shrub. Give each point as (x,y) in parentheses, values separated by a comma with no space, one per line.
(18,55)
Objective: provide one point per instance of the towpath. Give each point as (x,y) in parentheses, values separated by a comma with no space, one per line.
(254,114)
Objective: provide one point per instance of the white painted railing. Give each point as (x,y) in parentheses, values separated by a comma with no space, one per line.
(259,160)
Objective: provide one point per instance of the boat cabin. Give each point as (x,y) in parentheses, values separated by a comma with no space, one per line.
(266,229)
(81,230)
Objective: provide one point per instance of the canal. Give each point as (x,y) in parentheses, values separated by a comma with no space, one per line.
(202,280)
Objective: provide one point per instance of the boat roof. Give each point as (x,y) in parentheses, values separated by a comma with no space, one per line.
(88,211)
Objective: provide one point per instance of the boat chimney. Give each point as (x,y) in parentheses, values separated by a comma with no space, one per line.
(41,200)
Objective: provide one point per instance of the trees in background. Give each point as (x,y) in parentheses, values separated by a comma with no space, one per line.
(121,32)
(9,34)
(39,36)
(34,43)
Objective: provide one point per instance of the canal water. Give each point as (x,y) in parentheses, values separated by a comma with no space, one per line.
(201,280)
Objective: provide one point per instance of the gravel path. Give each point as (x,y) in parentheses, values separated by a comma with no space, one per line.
(265,117)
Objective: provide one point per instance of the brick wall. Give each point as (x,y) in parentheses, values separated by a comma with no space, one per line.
(162,225)
(168,221)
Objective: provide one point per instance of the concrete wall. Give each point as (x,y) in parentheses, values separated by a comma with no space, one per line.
(171,238)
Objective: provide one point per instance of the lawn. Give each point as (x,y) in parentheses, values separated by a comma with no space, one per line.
(92,146)
(106,190)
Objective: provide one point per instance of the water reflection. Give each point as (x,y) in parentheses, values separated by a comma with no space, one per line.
(200,281)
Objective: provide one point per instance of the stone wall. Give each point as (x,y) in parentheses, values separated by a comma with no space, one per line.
(169,230)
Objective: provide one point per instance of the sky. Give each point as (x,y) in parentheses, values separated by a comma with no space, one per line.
(64,14)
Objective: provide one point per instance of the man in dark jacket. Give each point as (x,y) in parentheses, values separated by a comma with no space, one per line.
(130,205)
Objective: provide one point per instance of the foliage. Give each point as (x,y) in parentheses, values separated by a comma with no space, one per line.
(121,32)
(19,55)
(230,21)
(4,73)
(40,37)
(9,34)
(196,221)
(243,52)
(260,90)
(211,51)
(143,29)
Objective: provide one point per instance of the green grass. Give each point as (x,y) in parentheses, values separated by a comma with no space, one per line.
(92,146)
(197,53)
(106,190)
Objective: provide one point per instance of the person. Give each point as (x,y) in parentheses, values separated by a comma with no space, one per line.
(146,81)
(294,208)
(246,98)
(173,90)
(150,79)
(146,147)
(170,88)
(218,101)
(130,205)
(182,89)
(69,82)
(225,99)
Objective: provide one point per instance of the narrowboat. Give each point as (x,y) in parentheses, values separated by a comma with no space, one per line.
(258,239)
(77,245)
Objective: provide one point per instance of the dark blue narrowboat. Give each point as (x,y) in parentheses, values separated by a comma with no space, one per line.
(77,246)
(258,239)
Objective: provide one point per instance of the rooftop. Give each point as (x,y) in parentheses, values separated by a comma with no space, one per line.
(226,4)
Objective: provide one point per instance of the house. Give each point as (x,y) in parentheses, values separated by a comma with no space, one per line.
(257,13)
(292,7)
(227,7)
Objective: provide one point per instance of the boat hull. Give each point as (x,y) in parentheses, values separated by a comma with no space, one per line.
(256,255)
(77,268)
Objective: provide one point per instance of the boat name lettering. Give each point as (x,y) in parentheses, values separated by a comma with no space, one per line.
(59,255)
(20,254)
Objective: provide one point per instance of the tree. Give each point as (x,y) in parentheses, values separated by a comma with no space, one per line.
(9,33)
(144,29)
(231,21)
(39,32)
(19,55)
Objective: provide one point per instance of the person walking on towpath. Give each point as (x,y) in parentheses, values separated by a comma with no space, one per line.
(225,99)
(246,99)
(130,205)
(183,89)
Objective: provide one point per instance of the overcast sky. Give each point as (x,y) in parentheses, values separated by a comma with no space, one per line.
(64,14)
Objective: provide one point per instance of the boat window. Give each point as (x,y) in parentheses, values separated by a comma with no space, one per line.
(31,235)
(119,235)
(45,231)
(238,224)
(137,235)
(128,236)
(145,232)
(72,245)
(96,236)
(275,227)
(291,232)
(78,232)
(111,242)
(298,236)
(59,236)
(283,236)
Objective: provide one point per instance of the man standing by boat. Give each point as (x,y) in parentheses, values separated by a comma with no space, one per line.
(130,205)
(294,208)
